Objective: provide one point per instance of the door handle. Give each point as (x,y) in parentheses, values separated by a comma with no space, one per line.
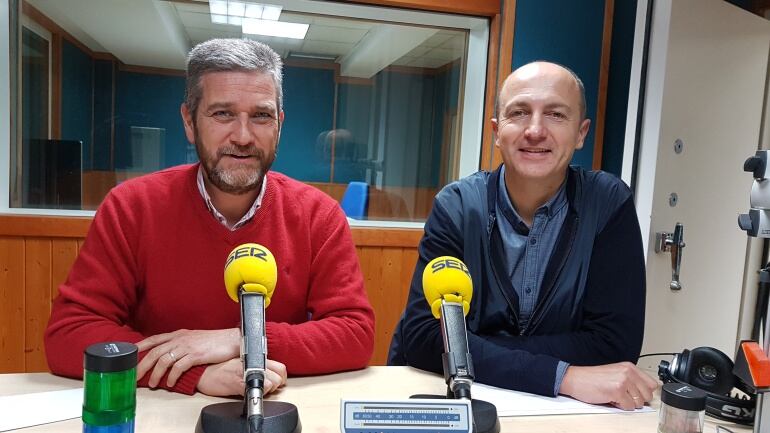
(673,243)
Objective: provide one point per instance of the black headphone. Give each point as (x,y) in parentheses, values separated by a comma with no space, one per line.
(712,371)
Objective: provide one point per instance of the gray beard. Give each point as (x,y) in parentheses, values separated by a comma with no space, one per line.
(237,181)
(234,183)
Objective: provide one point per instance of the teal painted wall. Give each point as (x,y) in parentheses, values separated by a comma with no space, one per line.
(102,116)
(395,126)
(355,116)
(150,101)
(308,99)
(76,98)
(409,133)
(623,21)
(406,129)
(569,33)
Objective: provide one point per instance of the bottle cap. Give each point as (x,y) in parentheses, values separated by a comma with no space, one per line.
(110,357)
(683,396)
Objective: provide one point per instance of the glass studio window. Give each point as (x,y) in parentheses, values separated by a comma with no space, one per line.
(382,104)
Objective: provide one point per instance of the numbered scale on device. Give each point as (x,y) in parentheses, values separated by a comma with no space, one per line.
(404,416)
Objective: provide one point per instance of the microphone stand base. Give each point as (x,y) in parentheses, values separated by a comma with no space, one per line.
(484,414)
(280,417)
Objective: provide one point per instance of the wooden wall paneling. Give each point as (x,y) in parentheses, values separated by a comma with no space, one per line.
(477,7)
(96,185)
(11,305)
(63,254)
(389,202)
(425,202)
(381,237)
(488,135)
(604,73)
(392,298)
(387,273)
(333,190)
(370,260)
(44,226)
(145,69)
(37,301)
(33,265)
(507,33)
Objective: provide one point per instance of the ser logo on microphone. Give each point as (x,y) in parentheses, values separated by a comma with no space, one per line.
(247,252)
(449,264)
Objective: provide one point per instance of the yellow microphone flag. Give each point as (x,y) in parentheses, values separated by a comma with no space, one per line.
(252,267)
(447,278)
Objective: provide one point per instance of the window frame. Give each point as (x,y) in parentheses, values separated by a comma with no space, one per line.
(473,91)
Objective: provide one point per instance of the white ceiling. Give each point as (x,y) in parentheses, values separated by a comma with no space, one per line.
(159,33)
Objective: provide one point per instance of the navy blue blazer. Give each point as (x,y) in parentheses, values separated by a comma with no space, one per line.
(590,310)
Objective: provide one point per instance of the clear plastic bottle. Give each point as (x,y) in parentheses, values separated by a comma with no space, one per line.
(682,409)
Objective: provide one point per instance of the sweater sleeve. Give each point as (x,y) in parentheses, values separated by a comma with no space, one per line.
(612,318)
(339,334)
(95,302)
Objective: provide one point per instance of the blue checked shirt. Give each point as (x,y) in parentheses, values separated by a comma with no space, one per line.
(528,249)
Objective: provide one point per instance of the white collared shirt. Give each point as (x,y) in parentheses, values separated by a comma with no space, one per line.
(222,220)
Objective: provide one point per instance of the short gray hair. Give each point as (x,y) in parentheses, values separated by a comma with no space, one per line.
(581,89)
(239,55)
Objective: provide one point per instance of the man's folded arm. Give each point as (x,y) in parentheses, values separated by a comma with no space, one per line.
(94,302)
(493,364)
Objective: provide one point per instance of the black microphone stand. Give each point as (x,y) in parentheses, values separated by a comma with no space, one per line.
(253,415)
(279,417)
(458,369)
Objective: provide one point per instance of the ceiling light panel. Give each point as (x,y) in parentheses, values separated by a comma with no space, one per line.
(253,10)
(218,7)
(274,28)
(235,8)
(271,12)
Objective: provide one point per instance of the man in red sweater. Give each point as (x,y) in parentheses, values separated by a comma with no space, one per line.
(151,268)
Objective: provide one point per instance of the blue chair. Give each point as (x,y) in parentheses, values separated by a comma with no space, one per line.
(356,200)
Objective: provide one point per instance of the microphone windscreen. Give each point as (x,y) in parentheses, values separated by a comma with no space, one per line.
(252,267)
(447,278)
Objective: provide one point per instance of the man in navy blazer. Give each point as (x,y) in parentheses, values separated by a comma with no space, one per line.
(555,255)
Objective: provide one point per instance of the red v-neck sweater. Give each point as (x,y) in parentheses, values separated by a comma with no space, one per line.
(153,262)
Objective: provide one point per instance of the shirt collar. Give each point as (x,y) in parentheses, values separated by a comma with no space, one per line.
(550,207)
(222,220)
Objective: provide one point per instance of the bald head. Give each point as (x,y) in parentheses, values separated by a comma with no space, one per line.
(549,72)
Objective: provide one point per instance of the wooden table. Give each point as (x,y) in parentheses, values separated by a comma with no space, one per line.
(317,399)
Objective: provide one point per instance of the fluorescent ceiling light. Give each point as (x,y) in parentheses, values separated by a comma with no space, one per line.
(274,28)
(218,7)
(235,9)
(271,12)
(219,19)
(314,56)
(253,11)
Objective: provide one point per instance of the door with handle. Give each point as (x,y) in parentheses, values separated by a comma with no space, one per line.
(672,243)
(702,116)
